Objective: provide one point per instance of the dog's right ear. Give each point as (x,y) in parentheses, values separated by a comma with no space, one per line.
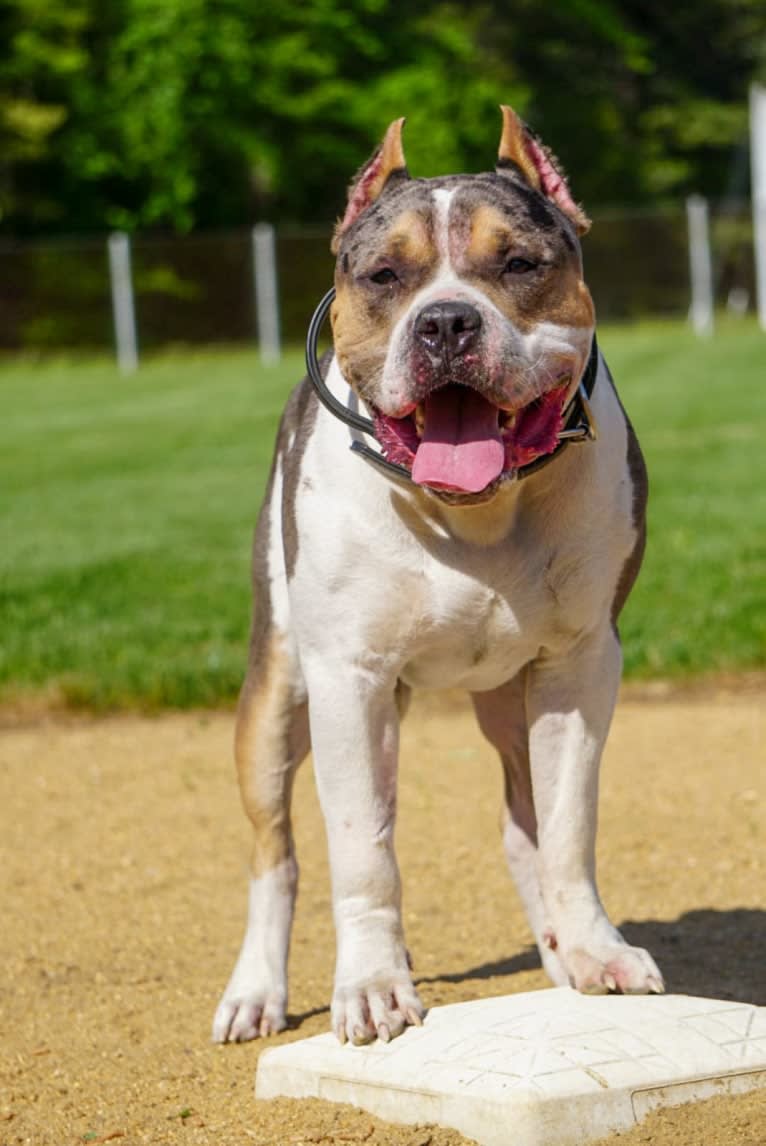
(387,162)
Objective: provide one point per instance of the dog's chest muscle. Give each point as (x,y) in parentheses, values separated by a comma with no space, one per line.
(470,629)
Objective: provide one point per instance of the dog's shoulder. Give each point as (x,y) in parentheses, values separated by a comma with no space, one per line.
(296,426)
(299,415)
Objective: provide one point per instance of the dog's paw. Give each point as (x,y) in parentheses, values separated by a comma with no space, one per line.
(380,1009)
(622,969)
(252,1016)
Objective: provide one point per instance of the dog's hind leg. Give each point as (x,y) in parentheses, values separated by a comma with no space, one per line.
(502,718)
(272,738)
(570,699)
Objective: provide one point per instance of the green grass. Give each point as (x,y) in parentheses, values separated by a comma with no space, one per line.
(127,506)
(699,407)
(127,513)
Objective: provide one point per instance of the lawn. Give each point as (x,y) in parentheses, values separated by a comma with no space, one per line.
(127,505)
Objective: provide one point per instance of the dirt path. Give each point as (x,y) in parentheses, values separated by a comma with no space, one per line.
(123,852)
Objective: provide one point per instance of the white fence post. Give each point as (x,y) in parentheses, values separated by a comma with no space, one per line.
(266,292)
(758,178)
(700,265)
(123,307)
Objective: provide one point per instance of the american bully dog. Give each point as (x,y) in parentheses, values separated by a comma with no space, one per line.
(485,538)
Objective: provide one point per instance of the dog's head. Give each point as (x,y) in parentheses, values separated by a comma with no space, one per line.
(461,317)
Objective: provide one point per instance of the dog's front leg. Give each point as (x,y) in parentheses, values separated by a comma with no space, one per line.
(570,700)
(355,734)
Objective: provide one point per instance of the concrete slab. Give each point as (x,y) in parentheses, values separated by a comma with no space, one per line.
(536,1068)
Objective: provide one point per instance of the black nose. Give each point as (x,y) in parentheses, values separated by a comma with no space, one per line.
(448,329)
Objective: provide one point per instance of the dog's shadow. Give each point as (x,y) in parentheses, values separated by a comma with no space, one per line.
(704,952)
(718,954)
(708,952)
(526,960)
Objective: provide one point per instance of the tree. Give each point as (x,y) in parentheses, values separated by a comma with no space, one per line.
(205,113)
(43,56)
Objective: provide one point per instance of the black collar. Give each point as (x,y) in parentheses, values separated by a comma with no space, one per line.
(579,425)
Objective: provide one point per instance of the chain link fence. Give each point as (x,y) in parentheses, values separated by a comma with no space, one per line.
(199,289)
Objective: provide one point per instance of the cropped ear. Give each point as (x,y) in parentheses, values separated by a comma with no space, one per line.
(521,149)
(370,180)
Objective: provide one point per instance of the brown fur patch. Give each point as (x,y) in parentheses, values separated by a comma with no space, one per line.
(271,740)
(361,332)
(297,422)
(502,718)
(640,483)
(411,239)
(490,235)
(260,630)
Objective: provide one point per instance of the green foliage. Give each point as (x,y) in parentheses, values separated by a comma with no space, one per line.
(190,113)
(42,55)
(127,506)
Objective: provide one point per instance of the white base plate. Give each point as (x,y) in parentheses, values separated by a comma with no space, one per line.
(535,1068)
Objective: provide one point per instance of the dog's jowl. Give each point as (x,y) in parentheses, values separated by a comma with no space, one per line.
(494,556)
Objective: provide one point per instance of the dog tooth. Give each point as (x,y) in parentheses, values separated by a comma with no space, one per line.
(420,420)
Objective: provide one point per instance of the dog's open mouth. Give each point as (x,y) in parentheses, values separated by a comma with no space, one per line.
(457,440)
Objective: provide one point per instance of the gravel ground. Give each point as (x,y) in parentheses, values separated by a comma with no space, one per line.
(123,851)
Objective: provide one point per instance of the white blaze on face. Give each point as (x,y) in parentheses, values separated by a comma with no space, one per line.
(395,379)
(442,200)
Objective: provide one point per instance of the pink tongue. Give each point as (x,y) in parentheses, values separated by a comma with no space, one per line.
(461,446)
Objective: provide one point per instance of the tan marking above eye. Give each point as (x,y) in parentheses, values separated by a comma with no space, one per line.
(490,234)
(410,239)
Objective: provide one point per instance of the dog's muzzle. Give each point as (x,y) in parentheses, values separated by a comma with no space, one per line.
(446,330)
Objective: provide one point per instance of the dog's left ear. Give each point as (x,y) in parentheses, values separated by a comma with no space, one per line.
(521,150)
(387,162)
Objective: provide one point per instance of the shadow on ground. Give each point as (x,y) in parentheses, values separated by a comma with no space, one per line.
(526,960)
(704,952)
(708,952)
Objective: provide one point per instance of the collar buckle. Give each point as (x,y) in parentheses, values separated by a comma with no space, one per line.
(585,430)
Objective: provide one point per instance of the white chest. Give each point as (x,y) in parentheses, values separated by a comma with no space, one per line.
(384,586)
(472,630)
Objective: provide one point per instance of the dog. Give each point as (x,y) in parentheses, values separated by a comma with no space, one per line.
(472,545)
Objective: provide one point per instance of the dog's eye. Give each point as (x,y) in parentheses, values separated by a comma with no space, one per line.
(384,277)
(519,266)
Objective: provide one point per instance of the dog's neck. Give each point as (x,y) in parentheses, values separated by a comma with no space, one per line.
(482,524)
